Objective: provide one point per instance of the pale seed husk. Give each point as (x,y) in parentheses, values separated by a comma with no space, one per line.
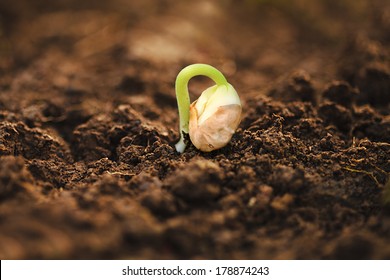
(216,131)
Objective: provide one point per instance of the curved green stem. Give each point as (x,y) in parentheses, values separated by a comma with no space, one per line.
(183,97)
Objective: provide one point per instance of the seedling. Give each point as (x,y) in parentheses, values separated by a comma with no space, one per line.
(212,119)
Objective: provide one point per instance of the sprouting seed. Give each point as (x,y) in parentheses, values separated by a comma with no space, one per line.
(211,120)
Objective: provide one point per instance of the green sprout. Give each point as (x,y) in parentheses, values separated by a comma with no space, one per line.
(211,120)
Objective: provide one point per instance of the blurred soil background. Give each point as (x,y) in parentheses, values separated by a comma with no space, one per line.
(88,120)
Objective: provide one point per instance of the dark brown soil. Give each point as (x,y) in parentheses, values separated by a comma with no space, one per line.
(88,123)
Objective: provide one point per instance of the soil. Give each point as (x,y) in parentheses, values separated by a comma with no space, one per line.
(88,123)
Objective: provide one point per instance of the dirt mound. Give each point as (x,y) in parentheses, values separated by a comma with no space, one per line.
(88,122)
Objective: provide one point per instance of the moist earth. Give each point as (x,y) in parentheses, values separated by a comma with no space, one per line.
(88,123)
